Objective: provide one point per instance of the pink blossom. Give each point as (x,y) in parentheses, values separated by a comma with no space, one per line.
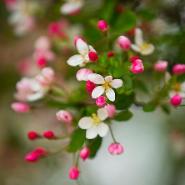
(101,101)
(176,100)
(46,77)
(178,69)
(74,173)
(102,25)
(41,62)
(42,43)
(137,66)
(133,58)
(90,86)
(161,66)
(82,74)
(124,43)
(64,116)
(115,149)
(111,109)
(84,153)
(20,107)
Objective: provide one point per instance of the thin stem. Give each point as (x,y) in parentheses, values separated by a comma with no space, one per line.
(112,135)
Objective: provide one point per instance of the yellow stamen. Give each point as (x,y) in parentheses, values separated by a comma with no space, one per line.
(106,85)
(144,46)
(96,119)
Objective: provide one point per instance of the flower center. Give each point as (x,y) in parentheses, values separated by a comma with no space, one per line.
(96,119)
(177,87)
(144,46)
(106,85)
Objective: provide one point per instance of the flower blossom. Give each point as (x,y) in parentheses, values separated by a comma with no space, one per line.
(94,124)
(83,57)
(82,74)
(140,45)
(160,66)
(115,149)
(137,66)
(71,7)
(105,85)
(177,94)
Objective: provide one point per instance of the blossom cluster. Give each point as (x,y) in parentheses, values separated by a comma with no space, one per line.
(104,84)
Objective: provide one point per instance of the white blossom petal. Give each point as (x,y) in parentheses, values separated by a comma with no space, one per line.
(96,78)
(35,96)
(97,91)
(116,83)
(135,48)
(102,114)
(138,36)
(102,129)
(108,78)
(91,48)
(85,123)
(148,50)
(110,94)
(71,7)
(91,133)
(75,60)
(82,47)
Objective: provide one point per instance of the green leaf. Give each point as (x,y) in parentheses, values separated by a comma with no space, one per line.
(123,115)
(77,140)
(149,107)
(125,21)
(124,101)
(94,145)
(165,108)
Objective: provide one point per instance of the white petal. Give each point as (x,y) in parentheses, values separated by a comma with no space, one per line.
(75,60)
(102,129)
(135,48)
(138,36)
(116,83)
(148,50)
(85,123)
(91,133)
(108,78)
(97,91)
(71,7)
(91,48)
(182,94)
(82,47)
(96,78)
(102,114)
(110,94)
(35,96)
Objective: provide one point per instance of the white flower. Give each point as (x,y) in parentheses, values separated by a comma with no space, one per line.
(105,85)
(82,58)
(94,124)
(71,6)
(178,89)
(140,45)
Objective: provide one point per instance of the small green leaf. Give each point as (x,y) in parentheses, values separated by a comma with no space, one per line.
(124,101)
(149,107)
(123,115)
(77,140)
(165,108)
(94,145)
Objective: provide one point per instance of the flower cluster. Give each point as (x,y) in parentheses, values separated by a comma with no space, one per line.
(101,86)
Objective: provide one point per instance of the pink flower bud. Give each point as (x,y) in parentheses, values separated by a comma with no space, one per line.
(93,56)
(110,54)
(101,101)
(32,135)
(41,62)
(115,149)
(82,74)
(74,173)
(84,153)
(124,43)
(20,107)
(64,116)
(90,86)
(137,66)
(102,25)
(133,58)
(49,134)
(176,100)
(31,157)
(111,109)
(178,69)
(161,66)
